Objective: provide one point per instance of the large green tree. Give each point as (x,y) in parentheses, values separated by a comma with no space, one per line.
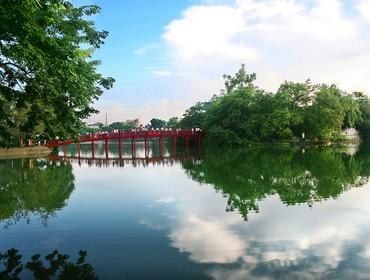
(48,79)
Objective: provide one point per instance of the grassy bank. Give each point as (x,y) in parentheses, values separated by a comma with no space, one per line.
(25,152)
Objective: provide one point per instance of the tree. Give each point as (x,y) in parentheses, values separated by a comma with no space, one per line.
(326,115)
(363,125)
(235,117)
(296,94)
(173,122)
(126,125)
(157,123)
(352,110)
(243,114)
(48,78)
(195,115)
(240,80)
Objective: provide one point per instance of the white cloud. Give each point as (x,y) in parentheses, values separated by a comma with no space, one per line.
(207,31)
(278,39)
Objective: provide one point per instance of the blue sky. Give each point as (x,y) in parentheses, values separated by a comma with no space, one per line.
(165,55)
(134,26)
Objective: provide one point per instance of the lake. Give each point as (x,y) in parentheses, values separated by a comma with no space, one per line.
(277,213)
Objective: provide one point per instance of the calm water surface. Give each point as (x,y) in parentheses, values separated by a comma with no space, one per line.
(266,214)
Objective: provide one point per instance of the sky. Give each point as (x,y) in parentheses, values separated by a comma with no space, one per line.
(166,55)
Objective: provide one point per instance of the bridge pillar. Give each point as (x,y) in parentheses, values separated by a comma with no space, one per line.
(65,150)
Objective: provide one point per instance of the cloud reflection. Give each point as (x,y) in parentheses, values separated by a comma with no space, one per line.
(207,241)
(297,250)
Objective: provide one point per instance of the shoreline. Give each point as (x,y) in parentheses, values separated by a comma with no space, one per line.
(26,152)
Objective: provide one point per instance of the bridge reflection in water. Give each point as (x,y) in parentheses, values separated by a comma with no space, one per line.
(115,162)
(115,154)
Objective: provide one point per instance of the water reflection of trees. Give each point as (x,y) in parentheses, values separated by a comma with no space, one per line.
(296,176)
(54,266)
(35,187)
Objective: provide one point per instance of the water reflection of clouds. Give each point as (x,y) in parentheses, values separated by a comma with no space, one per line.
(308,265)
(296,241)
(207,241)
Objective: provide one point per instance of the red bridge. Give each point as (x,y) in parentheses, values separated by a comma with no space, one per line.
(133,135)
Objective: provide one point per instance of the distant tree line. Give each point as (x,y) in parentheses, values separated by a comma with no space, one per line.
(154,123)
(243,113)
(158,123)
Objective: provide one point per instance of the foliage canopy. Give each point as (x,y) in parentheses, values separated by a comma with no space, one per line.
(48,79)
(243,113)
